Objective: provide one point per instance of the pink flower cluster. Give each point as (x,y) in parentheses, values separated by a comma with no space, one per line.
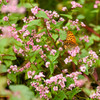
(38,77)
(75,23)
(12,68)
(34,10)
(96,95)
(74,75)
(96,3)
(12,7)
(43,90)
(0,1)
(93,55)
(58,79)
(67,60)
(20,51)
(74,4)
(83,68)
(64,8)
(74,51)
(5,18)
(30,74)
(85,38)
(47,64)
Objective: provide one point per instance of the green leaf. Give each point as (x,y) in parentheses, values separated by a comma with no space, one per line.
(41,14)
(81,77)
(67,15)
(53,57)
(33,55)
(54,36)
(12,77)
(30,28)
(84,53)
(61,96)
(27,5)
(69,81)
(89,43)
(9,57)
(73,92)
(80,17)
(58,24)
(51,67)
(95,11)
(86,71)
(3,68)
(35,22)
(63,35)
(24,92)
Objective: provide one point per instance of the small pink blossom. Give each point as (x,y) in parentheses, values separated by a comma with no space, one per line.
(64,70)
(60,49)
(53,52)
(64,8)
(95,6)
(30,74)
(34,10)
(65,28)
(74,4)
(71,86)
(55,88)
(83,68)
(0,1)
(47,64)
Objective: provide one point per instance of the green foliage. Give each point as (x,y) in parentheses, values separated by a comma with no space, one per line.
(60,96)
(72,93)
(24,92)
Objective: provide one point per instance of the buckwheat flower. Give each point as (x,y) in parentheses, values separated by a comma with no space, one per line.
(83,68)
(55,14)
(0,1)
(80,82)
(89,63)
(64,8)
(68,60)
(65,28)
(85,59)
(61,19)
(47,64)
(38,40)
(53,21)
(64,70)
(30,74)
(53,51)
(60,49)
(8,81)
(71,86)
(26,33)
(82,24)
(34,10)
(95,6)
(74,4)
(55,88)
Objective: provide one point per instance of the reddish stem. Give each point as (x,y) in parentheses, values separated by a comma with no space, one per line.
(91,30)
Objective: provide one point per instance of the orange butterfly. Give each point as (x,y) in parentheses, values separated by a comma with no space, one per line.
(70,41)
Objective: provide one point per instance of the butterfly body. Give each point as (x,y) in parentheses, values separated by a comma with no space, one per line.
(70,41)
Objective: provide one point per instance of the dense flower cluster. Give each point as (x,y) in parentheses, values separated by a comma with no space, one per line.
(85,38)
(96,95)
(12,7)
(74,4)
(73,53)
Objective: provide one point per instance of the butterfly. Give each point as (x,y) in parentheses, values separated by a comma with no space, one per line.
(70,41)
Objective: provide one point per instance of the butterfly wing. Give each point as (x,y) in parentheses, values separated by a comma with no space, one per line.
(70,41)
